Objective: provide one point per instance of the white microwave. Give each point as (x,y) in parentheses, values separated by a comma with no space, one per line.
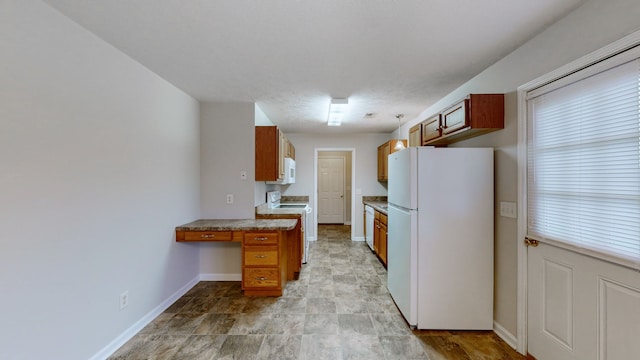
(290,170)
(289,173)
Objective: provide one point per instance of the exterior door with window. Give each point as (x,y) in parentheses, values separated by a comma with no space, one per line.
(583,206)
(331,190)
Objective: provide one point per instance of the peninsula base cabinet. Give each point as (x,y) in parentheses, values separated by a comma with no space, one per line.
(265,245)
(295,243)
(264,263)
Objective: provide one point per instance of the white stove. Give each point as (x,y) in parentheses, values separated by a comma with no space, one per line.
(273,202)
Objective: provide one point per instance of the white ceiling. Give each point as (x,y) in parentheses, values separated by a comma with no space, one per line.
(292,56)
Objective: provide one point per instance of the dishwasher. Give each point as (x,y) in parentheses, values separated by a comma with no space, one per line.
(368,223)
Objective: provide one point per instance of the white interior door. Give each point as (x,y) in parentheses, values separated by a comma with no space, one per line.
(331,190)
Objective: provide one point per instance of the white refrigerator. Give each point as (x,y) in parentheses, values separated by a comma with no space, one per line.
(440,237)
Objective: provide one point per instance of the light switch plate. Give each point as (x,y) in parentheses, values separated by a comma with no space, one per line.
(508,209)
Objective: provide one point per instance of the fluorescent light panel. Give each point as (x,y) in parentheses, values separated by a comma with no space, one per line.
(336,111)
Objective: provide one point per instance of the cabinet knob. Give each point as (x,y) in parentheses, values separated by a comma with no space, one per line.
(261,278)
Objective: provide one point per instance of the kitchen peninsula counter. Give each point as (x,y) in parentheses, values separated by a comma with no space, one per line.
(238,225)
(266,245)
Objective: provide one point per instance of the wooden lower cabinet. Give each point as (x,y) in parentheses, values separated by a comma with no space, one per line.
(376,232)
(380,236)
(295,243)
(264,263)
(382,231)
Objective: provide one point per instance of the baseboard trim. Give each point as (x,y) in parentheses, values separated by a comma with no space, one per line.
(505,335)
(312,238)
(220,277)
(121,339)
(359,238)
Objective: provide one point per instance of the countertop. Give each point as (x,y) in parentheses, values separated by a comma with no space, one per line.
(377,204)
(238,225)
(263,209)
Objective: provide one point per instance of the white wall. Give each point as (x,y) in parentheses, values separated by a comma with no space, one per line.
(100,161)
(366,165)
(227,148)
(588,28)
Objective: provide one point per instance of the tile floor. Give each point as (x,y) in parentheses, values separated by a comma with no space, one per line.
(338,309)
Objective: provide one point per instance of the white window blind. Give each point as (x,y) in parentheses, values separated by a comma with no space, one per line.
(583,168)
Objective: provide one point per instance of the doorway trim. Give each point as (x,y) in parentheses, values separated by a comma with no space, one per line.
(321,156)
(315,186)
(601,54)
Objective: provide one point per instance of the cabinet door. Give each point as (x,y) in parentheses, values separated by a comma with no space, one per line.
(383,243)
(431,129)
(455,117)
(292,150)
(376,234)
(282,148)
(383,152)
(415,135)
(385,162)
(267,150)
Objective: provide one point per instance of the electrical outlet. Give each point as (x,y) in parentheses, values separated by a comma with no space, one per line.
(229,198)
(124,300)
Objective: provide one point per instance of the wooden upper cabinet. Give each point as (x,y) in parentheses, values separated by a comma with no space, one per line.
(415,135)
(431,129)
(383,153)
(477,114)
(291,151)
(272,146)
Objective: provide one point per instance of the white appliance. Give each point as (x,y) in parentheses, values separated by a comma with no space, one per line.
(368,223)
(289,173)
(273,202)
(440,237)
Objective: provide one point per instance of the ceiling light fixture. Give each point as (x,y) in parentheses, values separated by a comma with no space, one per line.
(336,111)
(399,143)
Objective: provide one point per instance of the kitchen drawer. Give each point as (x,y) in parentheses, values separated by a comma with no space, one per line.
(383,219)
(208,236)
(260,238)
(260,255)
(261,277)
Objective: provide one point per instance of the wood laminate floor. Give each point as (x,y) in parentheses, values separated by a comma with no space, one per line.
(339,309)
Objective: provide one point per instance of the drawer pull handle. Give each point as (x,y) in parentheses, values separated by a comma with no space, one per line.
(261,278)
(261,238)
(207,236)
(261,256)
